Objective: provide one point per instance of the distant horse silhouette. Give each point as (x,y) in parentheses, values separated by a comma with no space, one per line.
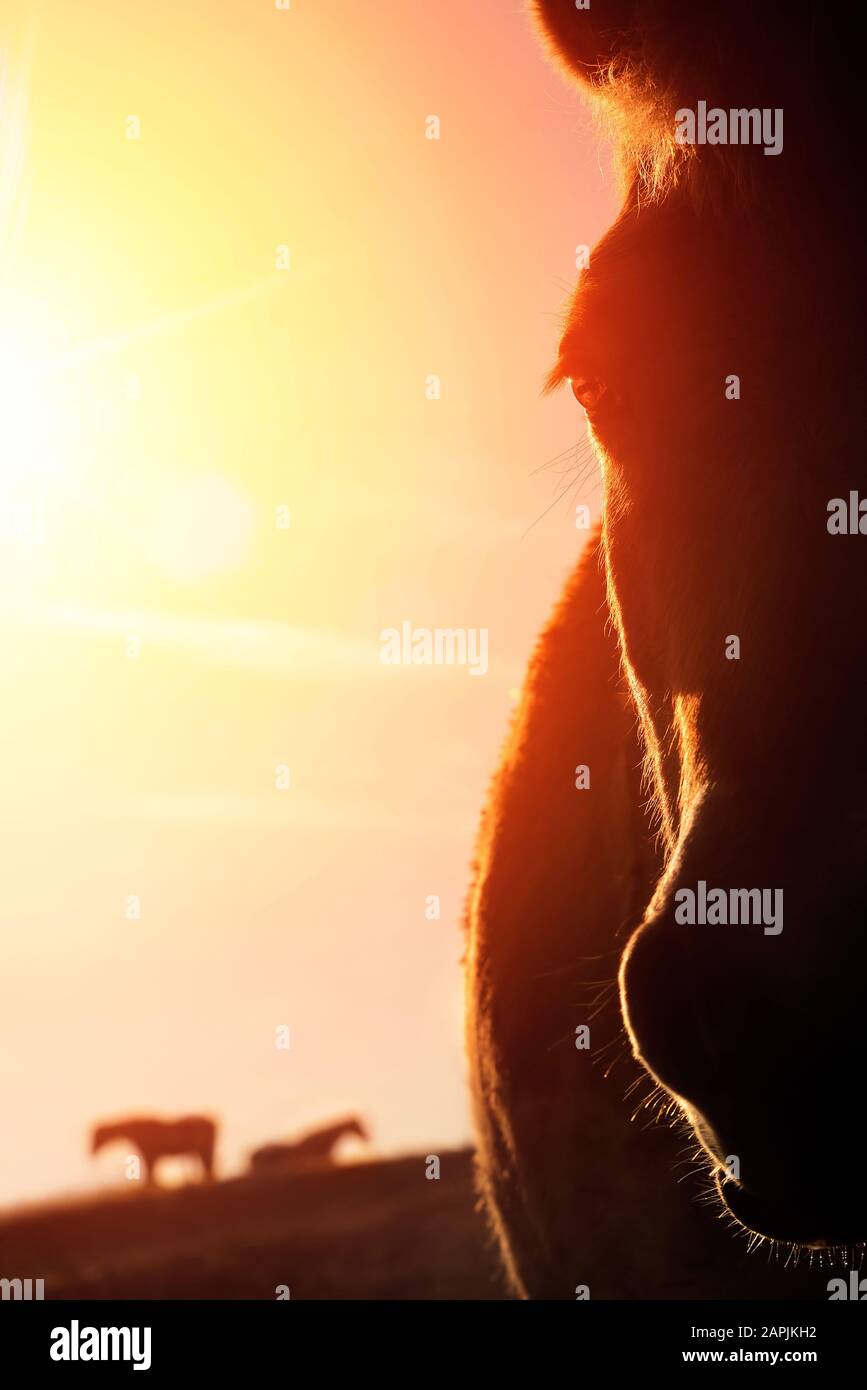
(156,1139)
(705,673)
(314,1150)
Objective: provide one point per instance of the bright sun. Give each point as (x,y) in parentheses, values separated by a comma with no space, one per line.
(37,410)
(31,344)
(200,526)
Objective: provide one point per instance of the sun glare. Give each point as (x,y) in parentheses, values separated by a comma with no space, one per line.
(203,528)
(39,415)
(30,342)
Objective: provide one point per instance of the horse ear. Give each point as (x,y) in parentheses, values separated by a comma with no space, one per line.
(585,41)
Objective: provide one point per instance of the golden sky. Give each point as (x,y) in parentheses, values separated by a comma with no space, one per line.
(230,261)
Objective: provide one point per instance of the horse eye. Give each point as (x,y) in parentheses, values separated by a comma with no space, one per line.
(588,391)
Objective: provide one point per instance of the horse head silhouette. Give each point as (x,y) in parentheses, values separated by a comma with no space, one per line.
(712,342)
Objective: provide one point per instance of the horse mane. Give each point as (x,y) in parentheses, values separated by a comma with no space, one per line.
(641,61)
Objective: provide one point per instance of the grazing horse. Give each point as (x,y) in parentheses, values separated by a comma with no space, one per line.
(314,1150)
(705,673)
(156,1139)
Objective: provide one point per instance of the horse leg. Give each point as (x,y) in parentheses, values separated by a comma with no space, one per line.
(207,1156)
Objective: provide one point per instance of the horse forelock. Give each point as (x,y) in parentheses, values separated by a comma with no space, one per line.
(640,62)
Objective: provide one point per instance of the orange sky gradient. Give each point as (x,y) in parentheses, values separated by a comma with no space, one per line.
(164,389)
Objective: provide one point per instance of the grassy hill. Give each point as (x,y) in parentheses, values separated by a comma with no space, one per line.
(366,1230)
